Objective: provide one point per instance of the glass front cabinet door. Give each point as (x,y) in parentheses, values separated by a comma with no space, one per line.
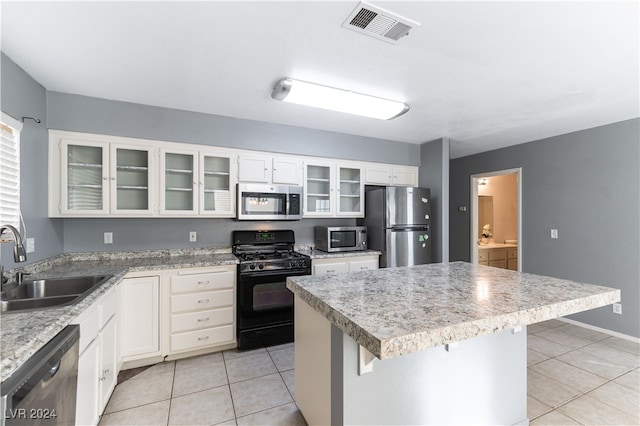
(131,179)
(318,189)
(217,185)
(85,178)
(178,184)
(350,191)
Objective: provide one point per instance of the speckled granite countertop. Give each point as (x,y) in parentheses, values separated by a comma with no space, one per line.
(496,245)
(319,254)
(398,311)
(23,333)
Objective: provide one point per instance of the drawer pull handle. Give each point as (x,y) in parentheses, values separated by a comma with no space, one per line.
(330,270)
(203,282)
(203,301)
(203,338)
(203,319)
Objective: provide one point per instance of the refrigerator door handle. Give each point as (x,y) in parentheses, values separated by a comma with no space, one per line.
(410,228)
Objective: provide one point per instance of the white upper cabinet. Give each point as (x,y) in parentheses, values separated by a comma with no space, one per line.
(350,190)
(268,169)
(391,175)
(333,189)
(95,178)
(178,182)
(217,184)
(319,189)
(132,171)
(111,176)
(84,183)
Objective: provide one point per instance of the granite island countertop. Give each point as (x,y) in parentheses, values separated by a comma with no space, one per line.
(23,333)
(398,311)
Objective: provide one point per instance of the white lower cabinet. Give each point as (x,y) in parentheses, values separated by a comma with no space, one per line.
(201,308)
(140,307)
(98,362)
(338,265)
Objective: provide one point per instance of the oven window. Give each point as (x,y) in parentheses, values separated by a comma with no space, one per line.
(343,239)
(260,203)
(271,296)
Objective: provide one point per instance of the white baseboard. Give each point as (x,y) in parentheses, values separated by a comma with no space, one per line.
(602,330)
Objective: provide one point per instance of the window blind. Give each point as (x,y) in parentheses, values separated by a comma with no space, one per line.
(10,171)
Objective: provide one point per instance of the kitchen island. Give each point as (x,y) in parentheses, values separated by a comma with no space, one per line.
(428,344)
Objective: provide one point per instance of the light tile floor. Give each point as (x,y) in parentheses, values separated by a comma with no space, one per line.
(576,376)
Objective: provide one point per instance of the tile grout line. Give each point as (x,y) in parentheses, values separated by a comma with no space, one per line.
(173,382)
(553,409)
(233,405)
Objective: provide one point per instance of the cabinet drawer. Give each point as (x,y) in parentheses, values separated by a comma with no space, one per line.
(363,265)
(512,253)
(330,268)
(199,320)
(108,308)
(200,338)
(201,301)
(500,254)
(202,282)
(483,255)
(89,326)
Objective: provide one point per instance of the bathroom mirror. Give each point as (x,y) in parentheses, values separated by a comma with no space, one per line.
(485,212)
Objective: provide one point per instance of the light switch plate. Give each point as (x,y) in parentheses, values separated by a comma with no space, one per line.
(193,236)
(554,233)
(108,237)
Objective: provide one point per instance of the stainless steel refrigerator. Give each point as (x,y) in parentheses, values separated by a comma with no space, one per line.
(398,221)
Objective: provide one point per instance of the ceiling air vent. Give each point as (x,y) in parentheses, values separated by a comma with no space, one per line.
(379,23)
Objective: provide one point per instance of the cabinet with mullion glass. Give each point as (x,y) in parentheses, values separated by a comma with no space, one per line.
(217,185)
(130,177)
(85,180)
(178,182)
(318,190)
(350,191)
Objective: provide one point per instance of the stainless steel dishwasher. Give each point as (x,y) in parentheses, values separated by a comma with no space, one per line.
(42,391)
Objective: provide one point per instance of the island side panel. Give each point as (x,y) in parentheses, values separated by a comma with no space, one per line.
(480,381)
(312,337)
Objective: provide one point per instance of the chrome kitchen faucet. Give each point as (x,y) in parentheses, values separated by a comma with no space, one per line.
(19,253)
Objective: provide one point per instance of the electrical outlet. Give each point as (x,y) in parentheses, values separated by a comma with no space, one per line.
(108,237)
(554,233)
(193,236)
(617,308)
(31,245)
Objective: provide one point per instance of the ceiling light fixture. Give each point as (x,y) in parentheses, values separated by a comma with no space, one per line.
(315,95)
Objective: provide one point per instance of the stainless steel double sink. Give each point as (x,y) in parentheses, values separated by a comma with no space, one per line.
(49,293)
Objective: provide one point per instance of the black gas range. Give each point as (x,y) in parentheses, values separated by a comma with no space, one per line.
(265,305)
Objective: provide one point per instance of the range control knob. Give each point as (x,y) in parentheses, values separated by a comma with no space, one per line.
(303,263)
(252,266)
(260,265)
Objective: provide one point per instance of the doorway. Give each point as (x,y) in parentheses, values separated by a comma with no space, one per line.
(496,212)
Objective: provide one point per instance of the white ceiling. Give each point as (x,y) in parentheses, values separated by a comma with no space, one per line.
(485,74)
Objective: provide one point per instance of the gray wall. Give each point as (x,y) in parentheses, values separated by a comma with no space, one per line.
(23,96)
(93,115)
(434,174)
(585,184)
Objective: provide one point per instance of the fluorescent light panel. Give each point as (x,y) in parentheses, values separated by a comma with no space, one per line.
(325,97)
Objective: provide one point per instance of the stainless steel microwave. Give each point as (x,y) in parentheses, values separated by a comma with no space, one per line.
(340,238)
(269,202)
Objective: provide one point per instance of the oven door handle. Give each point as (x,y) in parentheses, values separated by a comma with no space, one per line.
(280,273)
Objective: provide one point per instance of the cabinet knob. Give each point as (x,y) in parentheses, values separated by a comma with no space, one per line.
(203,319)
(203,338)
(203,301)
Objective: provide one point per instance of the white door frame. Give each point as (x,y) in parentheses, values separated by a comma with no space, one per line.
(474,211)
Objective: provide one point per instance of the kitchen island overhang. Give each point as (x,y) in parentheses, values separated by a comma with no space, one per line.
(469,320)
